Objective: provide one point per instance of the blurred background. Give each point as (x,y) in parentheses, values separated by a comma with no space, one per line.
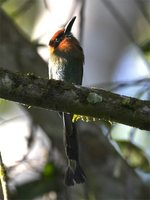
(115,36)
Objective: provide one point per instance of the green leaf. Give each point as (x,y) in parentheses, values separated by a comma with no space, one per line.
(49,169)
(134,155)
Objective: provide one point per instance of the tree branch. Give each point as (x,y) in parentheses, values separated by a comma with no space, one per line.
(61,96)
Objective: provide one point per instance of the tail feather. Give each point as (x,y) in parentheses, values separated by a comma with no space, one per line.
(79,175)
(71,142)
(72,150)
(69,178)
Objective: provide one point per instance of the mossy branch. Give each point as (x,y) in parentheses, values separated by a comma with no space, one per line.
(61,96)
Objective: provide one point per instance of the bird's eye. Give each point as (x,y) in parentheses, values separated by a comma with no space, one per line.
(57,40)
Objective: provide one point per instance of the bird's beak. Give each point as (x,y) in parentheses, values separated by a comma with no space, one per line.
(69,26)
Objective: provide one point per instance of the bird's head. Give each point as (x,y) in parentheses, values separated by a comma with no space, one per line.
(63,43)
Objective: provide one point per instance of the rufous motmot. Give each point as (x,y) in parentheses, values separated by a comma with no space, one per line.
(66,64)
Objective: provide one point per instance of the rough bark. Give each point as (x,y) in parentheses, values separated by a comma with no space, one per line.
(61,96)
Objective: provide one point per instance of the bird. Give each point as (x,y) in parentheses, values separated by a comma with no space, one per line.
(65,63)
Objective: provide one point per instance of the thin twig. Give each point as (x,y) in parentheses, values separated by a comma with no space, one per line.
(22,8)
(5,121)
(119,18)
(82,11)
(46,5)
(143,10)
(3,179)
(113,86)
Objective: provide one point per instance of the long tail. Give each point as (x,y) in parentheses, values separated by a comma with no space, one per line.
(72,152)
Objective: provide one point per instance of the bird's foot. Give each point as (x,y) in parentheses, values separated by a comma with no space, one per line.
(79,175)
